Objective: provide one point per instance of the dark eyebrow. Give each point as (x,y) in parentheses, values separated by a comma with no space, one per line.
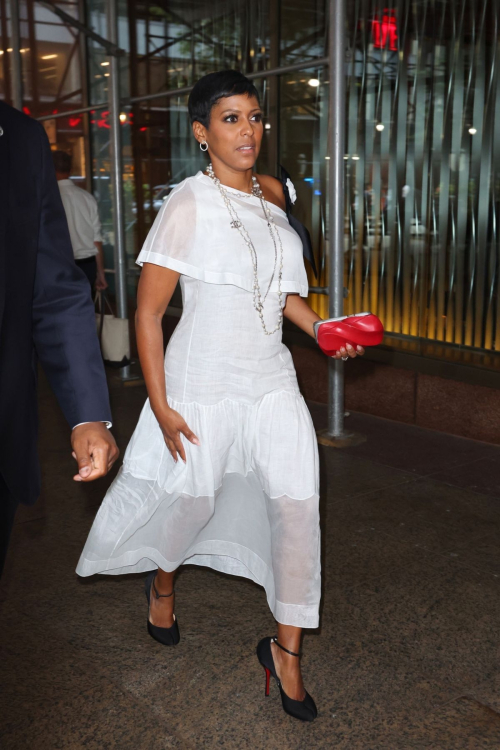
(238,111)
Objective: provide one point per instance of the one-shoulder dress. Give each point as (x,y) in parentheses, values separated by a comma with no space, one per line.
(246,500)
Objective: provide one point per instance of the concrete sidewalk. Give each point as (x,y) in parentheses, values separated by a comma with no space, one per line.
(407,655)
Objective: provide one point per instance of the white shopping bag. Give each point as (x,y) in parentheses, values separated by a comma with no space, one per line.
(113,333)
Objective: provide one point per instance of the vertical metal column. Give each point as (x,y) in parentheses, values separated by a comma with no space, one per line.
(116,158)
(82,50)
(273,83)
(336,40)
(17,70)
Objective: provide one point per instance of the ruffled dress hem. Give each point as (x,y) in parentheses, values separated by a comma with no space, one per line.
(217,556)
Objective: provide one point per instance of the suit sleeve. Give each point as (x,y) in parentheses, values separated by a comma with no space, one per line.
(64,329)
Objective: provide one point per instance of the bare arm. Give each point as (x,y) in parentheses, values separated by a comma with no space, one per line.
(155,290)
(101,282)
(298,311)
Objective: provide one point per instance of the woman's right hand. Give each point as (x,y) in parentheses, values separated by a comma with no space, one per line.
(173,426)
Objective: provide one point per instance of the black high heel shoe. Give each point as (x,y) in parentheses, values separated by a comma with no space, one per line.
(304,710)
(166,636)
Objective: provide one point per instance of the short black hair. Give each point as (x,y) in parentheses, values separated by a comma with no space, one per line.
(62,161)
(212,88)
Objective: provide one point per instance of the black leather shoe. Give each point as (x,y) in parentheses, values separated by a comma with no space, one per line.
(304,710)
(166,636)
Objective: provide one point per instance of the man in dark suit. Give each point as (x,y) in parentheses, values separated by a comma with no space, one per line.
(46,314)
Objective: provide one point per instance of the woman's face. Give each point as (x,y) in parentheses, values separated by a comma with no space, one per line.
(235,131)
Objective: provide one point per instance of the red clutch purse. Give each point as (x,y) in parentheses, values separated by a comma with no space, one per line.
(361,329)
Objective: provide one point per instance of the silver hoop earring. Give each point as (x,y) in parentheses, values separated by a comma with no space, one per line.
(204,143)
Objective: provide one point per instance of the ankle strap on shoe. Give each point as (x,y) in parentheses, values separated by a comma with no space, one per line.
(160,596)
(275,640)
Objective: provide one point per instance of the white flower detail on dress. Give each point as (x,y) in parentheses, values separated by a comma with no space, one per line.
(291,190)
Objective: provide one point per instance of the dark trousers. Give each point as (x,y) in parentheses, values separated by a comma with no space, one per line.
(8,507)
(89,268)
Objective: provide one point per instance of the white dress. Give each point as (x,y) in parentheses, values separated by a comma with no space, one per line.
(246,500)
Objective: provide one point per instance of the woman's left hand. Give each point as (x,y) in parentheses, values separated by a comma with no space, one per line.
(349,351)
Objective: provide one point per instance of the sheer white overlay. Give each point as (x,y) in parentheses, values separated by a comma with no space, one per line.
(246,501)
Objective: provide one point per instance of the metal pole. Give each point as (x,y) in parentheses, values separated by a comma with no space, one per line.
(273,96)
(116,159)
(336,206)
(83,52)
(318,62)
(17,68)
(71,112)
(128,102)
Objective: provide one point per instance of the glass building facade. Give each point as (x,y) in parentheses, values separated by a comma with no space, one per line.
(422,147)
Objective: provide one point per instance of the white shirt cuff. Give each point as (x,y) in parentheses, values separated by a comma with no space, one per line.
(108,424)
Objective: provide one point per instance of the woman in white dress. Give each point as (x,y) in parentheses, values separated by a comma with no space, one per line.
(222,469)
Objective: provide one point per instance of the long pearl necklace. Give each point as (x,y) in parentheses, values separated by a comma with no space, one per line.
(258,300)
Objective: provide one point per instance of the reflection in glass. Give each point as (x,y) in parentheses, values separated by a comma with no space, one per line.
(52,75)
(422,168)
(176,43)
(303,30)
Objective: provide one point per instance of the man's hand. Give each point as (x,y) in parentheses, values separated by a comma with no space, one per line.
(101,284)
(94,449)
